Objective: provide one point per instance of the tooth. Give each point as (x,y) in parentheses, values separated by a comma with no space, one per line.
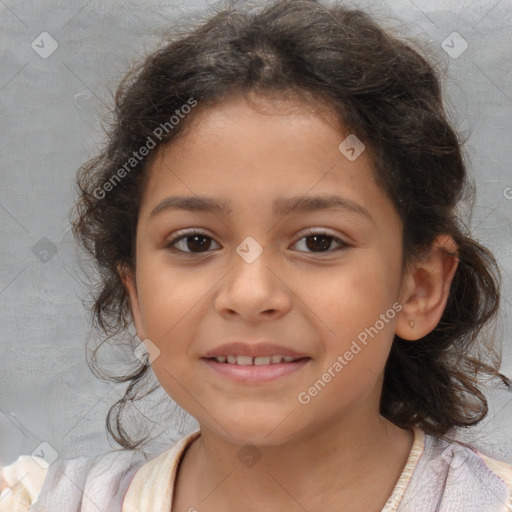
(276,359)
(231,359)
(221,359)
(261,360)
(244,360)
(288,358)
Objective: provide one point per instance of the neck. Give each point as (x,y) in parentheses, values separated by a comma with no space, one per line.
(306,470)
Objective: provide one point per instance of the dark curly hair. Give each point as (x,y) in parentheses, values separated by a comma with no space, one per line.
(386,93)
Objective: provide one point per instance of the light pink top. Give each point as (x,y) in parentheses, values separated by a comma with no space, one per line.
(439,476)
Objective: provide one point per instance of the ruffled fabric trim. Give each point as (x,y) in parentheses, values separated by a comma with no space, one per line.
(417,449)
(152,486)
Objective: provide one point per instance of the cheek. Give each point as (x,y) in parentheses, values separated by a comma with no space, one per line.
(352,296)
(349,306)
(168,301)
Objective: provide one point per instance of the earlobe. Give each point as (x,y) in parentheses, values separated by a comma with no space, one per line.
(128,279)
(426,290)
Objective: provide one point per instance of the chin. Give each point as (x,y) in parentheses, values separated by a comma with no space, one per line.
(261,426)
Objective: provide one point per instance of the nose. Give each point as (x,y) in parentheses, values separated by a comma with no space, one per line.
(254,288)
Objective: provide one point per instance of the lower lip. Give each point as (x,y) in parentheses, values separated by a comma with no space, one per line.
(253,373)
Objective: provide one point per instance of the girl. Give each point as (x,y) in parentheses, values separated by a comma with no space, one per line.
(324,376)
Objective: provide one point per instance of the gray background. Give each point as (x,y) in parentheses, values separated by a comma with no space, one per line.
(50,125)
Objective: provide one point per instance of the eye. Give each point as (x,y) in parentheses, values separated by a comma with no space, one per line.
(322,242)
(196,241)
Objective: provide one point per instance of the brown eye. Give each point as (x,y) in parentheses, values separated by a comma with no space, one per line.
(322,242)
(192,243)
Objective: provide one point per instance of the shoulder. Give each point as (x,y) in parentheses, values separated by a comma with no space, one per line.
(152,486)
(456,476)
(458,454)
(20,482)
(68,482)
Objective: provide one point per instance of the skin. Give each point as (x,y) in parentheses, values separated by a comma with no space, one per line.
(314,456)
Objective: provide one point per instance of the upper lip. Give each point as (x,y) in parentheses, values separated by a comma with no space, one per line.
(240,348)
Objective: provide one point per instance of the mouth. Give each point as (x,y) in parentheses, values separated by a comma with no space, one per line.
(255,361)
(256,369)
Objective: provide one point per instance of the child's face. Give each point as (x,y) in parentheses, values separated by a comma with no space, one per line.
(300,292)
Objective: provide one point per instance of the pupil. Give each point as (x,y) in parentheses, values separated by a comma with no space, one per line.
(323,246)
(200,245)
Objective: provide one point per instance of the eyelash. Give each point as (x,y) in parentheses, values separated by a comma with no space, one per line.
(186,234)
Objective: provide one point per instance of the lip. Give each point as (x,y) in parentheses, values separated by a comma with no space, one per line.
(256,374)
(241,348)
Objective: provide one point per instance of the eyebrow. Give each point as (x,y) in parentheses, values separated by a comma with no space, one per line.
(281,206)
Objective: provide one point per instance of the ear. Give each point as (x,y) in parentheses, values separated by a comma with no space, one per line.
(128,278)
(426,288)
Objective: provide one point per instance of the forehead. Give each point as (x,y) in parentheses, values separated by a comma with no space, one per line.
(253,151)
(238,117)
(254,132)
